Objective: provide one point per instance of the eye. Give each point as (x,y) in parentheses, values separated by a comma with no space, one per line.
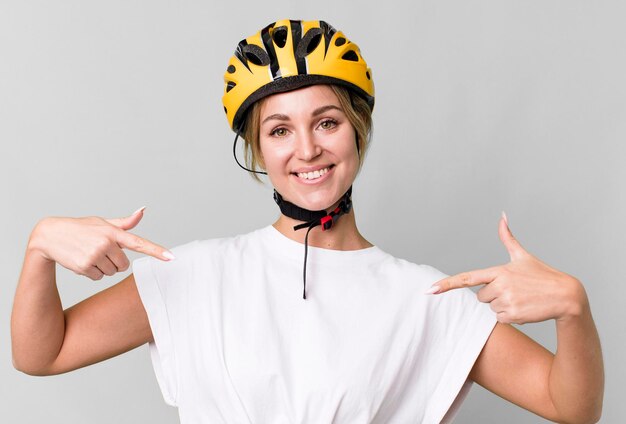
(328,124)
(279,132)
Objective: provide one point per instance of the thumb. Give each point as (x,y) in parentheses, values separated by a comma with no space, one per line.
(127,222)
(511,244)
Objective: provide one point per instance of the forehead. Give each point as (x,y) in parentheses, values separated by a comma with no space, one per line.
(302,100)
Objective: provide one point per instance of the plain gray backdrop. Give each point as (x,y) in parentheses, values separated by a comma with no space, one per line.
(481,106)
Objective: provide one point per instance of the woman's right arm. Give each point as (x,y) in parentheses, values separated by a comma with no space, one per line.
(46,339)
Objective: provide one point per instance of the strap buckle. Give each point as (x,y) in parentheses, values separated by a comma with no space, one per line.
(326,222)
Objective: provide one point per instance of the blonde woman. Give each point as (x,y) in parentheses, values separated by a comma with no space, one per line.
(305,320)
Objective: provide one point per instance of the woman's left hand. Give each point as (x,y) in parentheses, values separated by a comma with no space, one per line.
(524,290)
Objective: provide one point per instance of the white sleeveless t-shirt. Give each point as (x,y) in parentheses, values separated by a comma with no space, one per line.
(235,342)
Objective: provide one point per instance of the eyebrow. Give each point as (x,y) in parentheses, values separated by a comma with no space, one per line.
(323,109)
(316,112)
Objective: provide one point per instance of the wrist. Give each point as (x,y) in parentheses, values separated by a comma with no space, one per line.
(35,246)
(576,303)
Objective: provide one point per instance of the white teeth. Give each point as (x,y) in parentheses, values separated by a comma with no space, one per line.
(313,175)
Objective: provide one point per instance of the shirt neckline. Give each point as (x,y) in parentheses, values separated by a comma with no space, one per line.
(293,249)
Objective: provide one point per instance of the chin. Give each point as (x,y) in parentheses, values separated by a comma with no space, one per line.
(315,206)
(319,200)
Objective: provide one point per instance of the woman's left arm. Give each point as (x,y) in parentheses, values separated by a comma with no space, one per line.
(566,387)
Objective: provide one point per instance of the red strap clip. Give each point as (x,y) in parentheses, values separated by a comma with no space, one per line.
(326,222)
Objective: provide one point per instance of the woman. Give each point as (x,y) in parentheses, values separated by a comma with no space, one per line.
(372,338)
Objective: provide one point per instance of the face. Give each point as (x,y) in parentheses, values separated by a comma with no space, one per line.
(308,146)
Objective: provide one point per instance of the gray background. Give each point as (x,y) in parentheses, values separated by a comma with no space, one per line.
(481,106)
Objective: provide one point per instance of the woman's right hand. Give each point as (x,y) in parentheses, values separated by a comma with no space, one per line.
(92,246)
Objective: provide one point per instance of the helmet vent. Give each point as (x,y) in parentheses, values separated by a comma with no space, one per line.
(309,42)
(279,35)
(351,56)
(230,85)
(367,74)
(340,41)
(256,55)
(315,41)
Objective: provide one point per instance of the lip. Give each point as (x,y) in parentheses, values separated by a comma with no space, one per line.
(312,169)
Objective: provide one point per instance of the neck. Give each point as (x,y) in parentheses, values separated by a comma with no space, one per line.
(344,234)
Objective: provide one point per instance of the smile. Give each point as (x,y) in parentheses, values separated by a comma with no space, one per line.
(313,175)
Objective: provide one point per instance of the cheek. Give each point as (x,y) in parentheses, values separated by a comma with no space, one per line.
(271,157)
(348,148)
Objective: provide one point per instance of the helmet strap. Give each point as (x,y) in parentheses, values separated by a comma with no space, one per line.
(239,130)
(312,219)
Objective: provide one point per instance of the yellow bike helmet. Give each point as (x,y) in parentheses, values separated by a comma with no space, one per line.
(286,55)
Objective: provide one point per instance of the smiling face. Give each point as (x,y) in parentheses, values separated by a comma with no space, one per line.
(308,146)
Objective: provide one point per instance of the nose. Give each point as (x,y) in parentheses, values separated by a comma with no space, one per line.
(307,147)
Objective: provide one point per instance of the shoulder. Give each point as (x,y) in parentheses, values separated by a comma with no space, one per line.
(224,246)
(191,250)
(419,278)
(208,250)
(403,270)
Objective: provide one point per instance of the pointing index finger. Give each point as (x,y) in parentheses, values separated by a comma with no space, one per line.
(464,279)
(139,244)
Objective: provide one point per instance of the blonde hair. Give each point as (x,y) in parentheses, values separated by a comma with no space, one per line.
(354,106)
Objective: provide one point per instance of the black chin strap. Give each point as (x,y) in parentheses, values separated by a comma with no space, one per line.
(313,219)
